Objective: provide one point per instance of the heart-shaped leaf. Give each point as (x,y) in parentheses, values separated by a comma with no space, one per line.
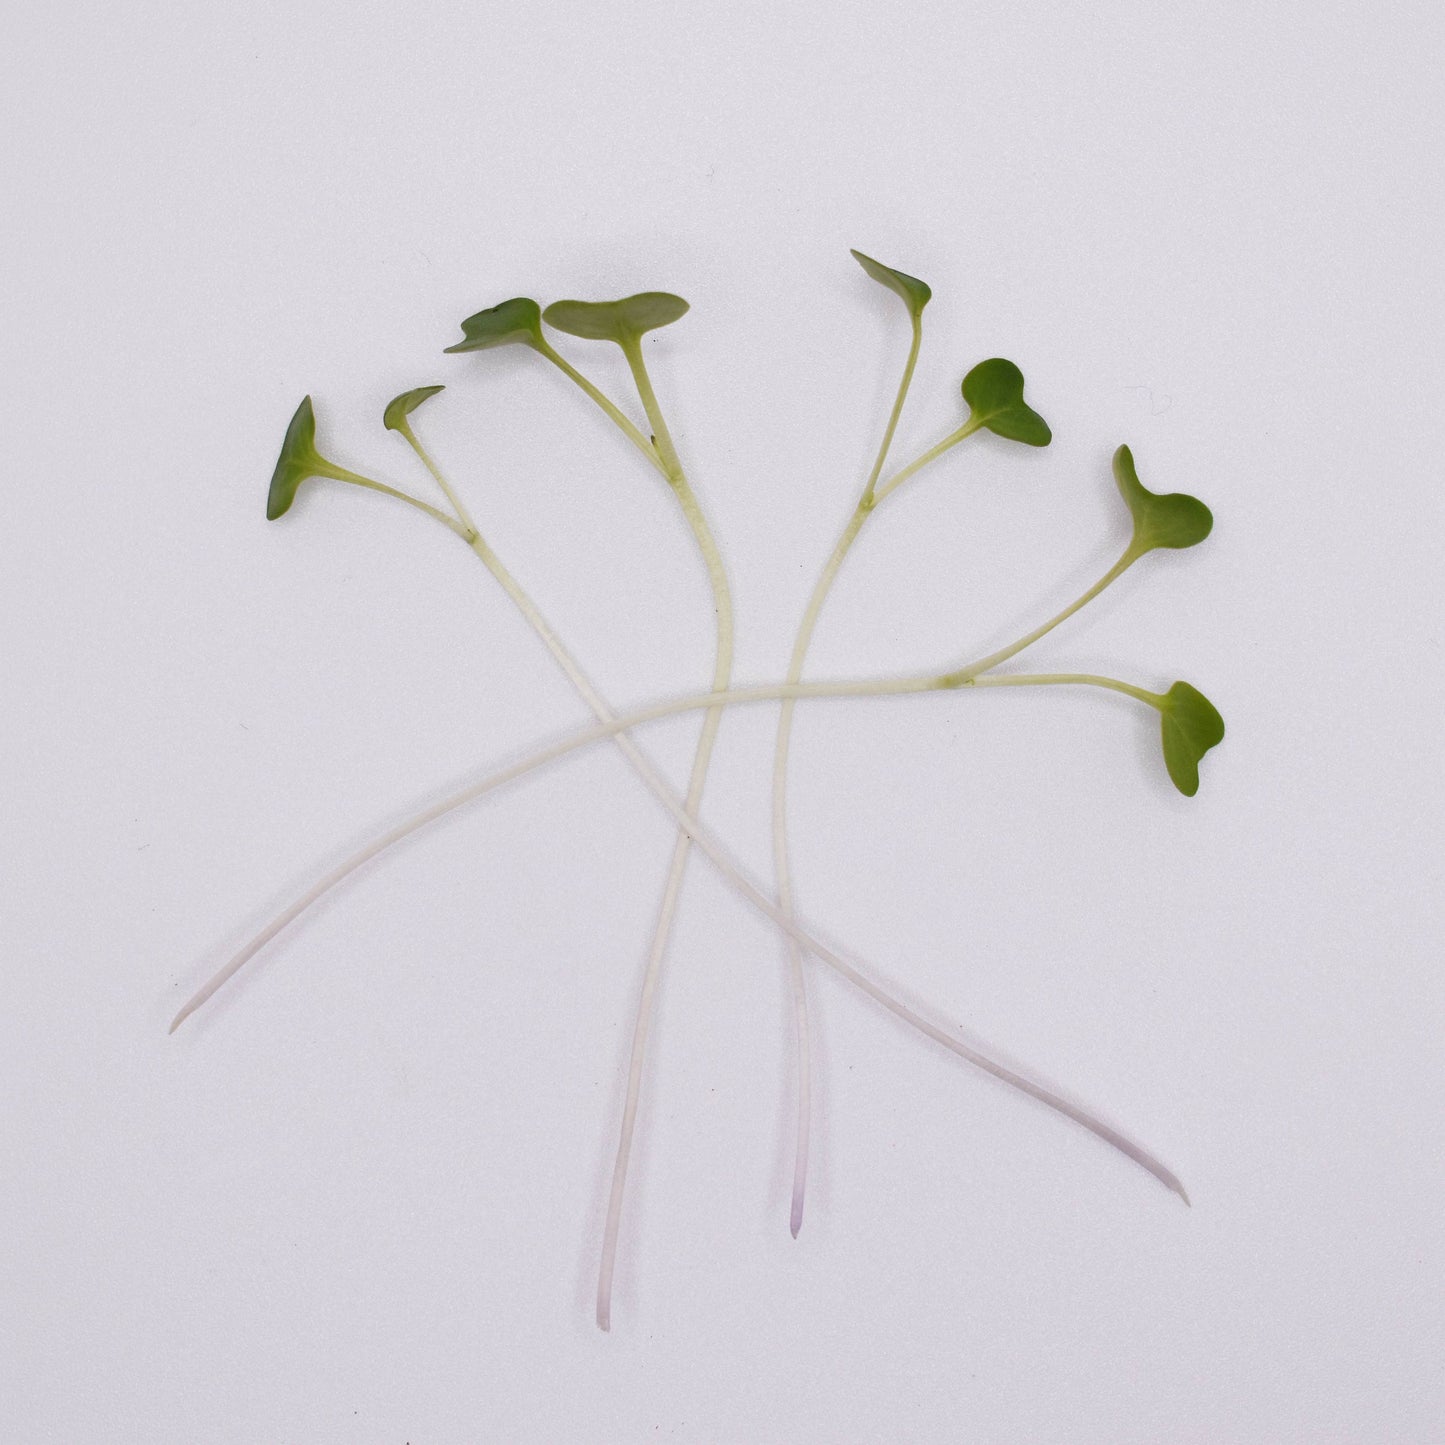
(915,293)
(1190,725)
(1160,520)
(620,321)
(517,320)
(994,391)
(401,407)
(299,459)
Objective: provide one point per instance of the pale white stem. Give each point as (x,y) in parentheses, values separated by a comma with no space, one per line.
(782,868)
(615,727)
(722,673)
(719,855)
(961,677)
(782,863)
(646,1002)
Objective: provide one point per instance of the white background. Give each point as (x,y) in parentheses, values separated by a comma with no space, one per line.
(359,1198)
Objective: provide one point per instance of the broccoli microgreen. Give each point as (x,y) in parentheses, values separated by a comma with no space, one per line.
(993,391)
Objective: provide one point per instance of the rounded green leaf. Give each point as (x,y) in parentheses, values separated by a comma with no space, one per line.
(994,391)
(517,320)
(618,321)
(1190,725)
(1160,520)
(299,459)
(915,293)
(401,407)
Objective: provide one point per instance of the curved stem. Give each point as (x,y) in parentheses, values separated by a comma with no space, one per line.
(702,759)
(725,863)
(782,867)
(617,725)
(722,672)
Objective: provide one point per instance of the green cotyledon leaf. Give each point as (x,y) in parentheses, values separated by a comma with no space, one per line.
(401,407)
(1189,726)
(619,321)
(518,320)
(299,460)
(1171,519)
(915,293)
(994,391)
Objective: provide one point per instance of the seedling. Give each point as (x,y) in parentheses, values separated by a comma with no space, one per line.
(993,393)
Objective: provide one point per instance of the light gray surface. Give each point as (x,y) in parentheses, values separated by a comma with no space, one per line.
(360,1198)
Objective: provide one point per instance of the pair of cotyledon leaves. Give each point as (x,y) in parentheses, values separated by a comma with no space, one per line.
(993,390)
(520,320)
(300,459)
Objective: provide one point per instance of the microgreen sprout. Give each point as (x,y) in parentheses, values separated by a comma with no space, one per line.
(993,391)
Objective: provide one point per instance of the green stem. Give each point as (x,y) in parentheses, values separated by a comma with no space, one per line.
(613,411)
(987,664)
(340,474)
(918,463)
(661,437)
(897,411)
(458,506)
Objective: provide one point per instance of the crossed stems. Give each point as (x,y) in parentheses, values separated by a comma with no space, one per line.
(676,478)
(661,453)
